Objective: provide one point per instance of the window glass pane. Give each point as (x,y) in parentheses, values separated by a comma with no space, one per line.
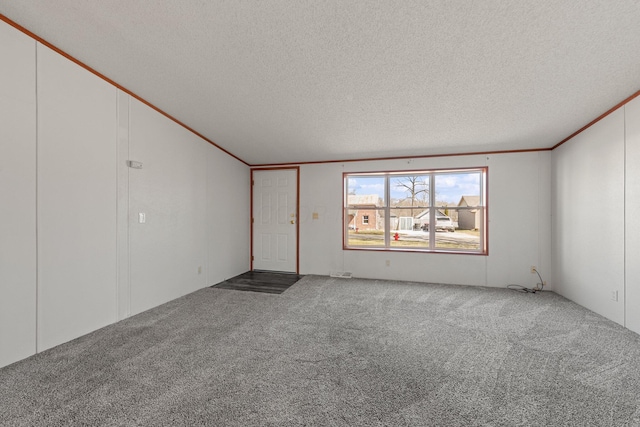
(406,229)
(449,235)
(359,234)
(365,191)
(409,190)
(458,213)
(458,189)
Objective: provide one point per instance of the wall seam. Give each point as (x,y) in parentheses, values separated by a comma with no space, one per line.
(128,221)
(117,150)
(539,249)
(624,218)
(37,260)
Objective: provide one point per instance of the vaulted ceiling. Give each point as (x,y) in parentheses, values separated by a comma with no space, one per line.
(277,81)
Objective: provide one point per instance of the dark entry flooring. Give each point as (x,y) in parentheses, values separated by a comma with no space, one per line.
(260,281)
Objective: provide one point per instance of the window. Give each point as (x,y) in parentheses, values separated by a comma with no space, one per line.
(427,211)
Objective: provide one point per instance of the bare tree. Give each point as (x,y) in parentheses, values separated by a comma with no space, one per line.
(414,185)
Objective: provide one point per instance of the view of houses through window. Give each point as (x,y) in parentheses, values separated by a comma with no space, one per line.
(442,210)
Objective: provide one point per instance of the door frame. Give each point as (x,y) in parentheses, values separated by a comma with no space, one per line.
(251,183)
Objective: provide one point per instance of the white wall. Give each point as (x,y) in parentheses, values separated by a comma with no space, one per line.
(17,196)
(588,228)
(171,189)
(519,224)
(76,200)
(64,170)
(228,217)
(632,214)
(196,202)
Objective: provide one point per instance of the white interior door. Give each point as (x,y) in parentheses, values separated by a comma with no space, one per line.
(275,220)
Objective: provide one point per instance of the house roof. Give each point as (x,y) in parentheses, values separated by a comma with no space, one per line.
(303,81)
(363,200)
(425,214)
(469,201)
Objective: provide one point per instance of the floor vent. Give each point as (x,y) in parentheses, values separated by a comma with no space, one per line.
(342,275)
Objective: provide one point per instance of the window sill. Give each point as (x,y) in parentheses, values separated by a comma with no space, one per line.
(421,251)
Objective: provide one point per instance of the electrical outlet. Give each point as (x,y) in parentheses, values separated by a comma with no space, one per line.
(533,269)
(387,263)
(199,269)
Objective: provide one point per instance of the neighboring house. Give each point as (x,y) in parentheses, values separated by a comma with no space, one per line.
(443,221)
(422,219)
(469,219)
(363,214)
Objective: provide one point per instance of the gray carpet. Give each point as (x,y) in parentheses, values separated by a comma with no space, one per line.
(338,352)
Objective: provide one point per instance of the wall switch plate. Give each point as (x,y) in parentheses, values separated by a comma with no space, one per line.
(142,217)
(614,295)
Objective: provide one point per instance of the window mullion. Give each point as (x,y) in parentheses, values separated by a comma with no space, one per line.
(432,211)
(483,220)
(387,213)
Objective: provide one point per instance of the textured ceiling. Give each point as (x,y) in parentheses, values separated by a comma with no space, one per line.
(275,81)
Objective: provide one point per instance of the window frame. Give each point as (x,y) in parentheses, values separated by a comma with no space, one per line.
(387,209)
